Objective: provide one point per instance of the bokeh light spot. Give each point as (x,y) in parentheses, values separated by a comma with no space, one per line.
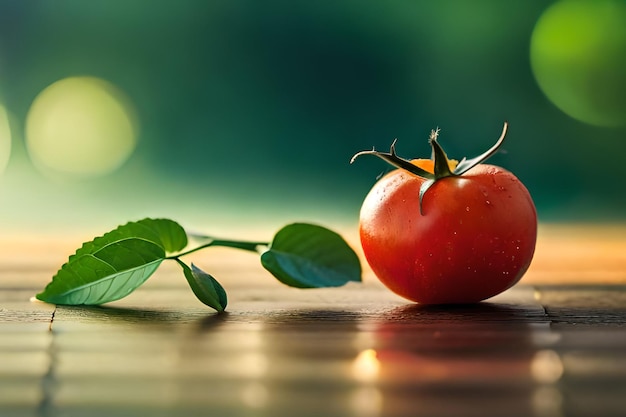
(5,138)
(578,57)
(81,127)
(366,366)
(546,367)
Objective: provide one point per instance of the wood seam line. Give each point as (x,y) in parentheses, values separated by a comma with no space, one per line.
(54,312)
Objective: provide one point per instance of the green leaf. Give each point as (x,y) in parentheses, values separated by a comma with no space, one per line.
(309,256)
(112,266)
(205,287)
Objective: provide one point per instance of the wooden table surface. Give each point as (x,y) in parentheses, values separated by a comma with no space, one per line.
(554,345)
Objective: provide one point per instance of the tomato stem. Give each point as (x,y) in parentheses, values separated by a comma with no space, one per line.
(440,161)
(392,158)
(467,164)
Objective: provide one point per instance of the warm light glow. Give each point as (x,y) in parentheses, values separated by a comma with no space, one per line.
(81,126)
(366,366)
(546,366)
(5,138)
(253,365)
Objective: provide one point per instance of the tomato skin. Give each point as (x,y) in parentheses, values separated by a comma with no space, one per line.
(475,238)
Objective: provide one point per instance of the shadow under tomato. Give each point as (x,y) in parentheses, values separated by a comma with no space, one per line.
(454,329)
(464,313)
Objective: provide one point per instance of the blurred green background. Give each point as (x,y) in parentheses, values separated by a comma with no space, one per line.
(231,113)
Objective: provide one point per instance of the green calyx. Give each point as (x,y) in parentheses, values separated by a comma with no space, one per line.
(441,162)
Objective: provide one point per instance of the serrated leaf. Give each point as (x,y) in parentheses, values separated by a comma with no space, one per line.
(309,256)
(205,287)
(112,266)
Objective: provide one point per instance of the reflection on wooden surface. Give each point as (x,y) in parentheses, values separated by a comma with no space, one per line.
(372,356)
(544,348)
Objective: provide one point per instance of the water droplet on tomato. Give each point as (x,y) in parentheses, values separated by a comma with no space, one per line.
(488,202)
(467,208)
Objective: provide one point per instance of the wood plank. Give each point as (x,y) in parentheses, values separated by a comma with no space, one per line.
(275,348)
(547,349)
(580,305)
(364,351)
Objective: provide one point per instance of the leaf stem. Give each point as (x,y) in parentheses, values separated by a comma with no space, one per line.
(249,246)
(244,245)
(181,263)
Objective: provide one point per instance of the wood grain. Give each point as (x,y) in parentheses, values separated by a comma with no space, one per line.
(555,345)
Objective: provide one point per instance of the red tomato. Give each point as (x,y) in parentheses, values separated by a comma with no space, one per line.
(472,237)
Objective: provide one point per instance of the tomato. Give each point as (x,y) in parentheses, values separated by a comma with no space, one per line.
(438,232)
